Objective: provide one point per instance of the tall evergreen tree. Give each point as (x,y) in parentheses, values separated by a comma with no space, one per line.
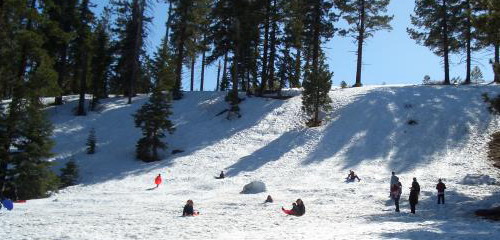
(317,82)
(102,58)
(436,26)
(130,27)
(152,118)
(64,14)
(487,23)
(83,42)
(364,18)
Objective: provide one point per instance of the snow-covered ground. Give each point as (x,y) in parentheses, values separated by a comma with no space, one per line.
(367,132)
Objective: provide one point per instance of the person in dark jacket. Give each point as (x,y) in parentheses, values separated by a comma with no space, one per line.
(352,176)
(396,194)
(440,187)
(221,175)
(301,209)
(415,185)
(269,199)
(188,209)
(298,208)
(413,199)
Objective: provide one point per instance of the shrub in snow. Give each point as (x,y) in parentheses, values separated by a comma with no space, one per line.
(427,80)
(91,142)
(494,107)
(412,122)
(254,187)
(476,75)
(69,174)
(343,84)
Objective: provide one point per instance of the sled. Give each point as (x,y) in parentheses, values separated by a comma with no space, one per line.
(218,177)
(20,201)
(7,203)
(289,212)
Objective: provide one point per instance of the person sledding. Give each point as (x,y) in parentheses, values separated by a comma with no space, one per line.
(298,208)
(269,199)
(352,176)
(221,175)
(158,180)
(189,209)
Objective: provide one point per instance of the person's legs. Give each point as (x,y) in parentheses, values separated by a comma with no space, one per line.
(440,198)
(412,208)
(396,201)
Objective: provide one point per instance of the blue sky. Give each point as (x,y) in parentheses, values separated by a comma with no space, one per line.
(389,57)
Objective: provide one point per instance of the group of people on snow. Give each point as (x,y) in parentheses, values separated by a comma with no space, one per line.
(298,208)
(396,190)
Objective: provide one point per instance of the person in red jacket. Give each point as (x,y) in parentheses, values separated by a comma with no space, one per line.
(440,187)
(396,190)
(158,180)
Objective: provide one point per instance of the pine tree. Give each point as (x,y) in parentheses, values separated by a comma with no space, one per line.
(83,42)
(130,28)
(69,174)
(152,118)
(476,75)
(487,23)
(91,142)
(31,174)
(315,97)
(162,68)
(438,22)
(317,81)
(63,14)
(102,58)
(365,18)
(293,38)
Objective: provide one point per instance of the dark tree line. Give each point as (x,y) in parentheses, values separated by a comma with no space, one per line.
(60,47)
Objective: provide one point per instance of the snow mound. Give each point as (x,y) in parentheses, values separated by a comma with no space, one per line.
(477,179)
(254,187)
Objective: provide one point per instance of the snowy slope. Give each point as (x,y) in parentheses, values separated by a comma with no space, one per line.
(367,131)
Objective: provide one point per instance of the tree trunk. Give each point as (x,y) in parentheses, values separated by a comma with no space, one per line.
(468,38)
(264,57)
(316,42)
(446,45)
(272,54)
(191,87)
(83,84)
(298,59)
(202,77)
(180,57)
(62,74)
(361,38)
(218,77)
(167,25)
(137,13)
(224,67)
(497,63)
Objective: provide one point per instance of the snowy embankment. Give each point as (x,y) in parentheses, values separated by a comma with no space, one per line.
(367,131)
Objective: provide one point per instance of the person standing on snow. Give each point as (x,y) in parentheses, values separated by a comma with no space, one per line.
(440,187)
(394,180)
(413,199)
(415,185)
(396,194)
(158,180)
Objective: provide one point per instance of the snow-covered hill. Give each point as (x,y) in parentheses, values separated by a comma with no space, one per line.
(367,132)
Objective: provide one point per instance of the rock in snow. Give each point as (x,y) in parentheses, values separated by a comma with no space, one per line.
(254,187)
